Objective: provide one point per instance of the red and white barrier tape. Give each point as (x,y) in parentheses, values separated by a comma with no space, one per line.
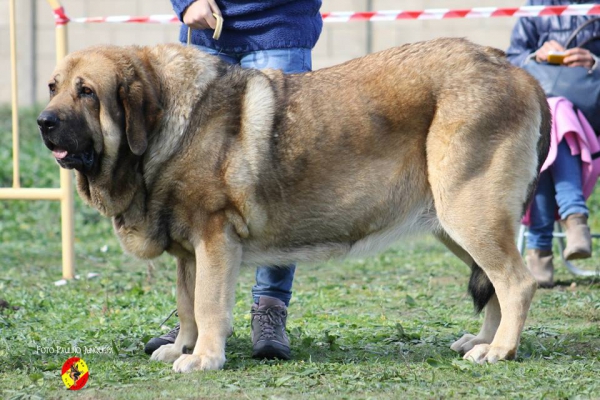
(60,18)
(476,12)
(391,15)
(151,19)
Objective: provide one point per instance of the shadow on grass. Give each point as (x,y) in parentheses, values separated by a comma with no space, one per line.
(536,345)
(332,349)
(546,344)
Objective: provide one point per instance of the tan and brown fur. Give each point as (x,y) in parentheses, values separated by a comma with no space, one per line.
(221,167)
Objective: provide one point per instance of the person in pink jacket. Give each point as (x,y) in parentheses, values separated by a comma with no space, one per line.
(560,192)
(567,178)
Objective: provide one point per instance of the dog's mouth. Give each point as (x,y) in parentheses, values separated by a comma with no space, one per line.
(60,154)
(81,161)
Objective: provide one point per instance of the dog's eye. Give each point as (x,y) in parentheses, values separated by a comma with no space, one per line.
(86,91)
(52,89)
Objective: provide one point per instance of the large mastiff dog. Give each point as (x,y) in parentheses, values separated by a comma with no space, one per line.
(221,166)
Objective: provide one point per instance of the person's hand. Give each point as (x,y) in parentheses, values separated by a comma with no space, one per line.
(549,46)
(199,14)
(578,57)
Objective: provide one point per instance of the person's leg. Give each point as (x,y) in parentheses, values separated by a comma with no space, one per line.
(543,212)
(539,240)
(273,289)
(290,61)
(276,282)
(273,281)
(566,172)
(271,296)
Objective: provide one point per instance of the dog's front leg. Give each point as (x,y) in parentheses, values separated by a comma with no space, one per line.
(218,259)
(188,333)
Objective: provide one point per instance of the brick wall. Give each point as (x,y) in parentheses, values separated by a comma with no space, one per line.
(339,41)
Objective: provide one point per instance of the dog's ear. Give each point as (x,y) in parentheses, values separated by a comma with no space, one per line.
(142,111)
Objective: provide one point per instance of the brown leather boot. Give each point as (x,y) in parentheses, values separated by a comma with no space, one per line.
(539,263)
(579,239)
(269,339)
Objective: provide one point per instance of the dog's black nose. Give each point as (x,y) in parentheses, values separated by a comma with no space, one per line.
(47,121)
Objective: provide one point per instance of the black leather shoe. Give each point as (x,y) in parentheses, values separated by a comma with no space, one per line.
(156,342)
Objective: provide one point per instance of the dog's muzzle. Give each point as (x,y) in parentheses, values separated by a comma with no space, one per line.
(83,161)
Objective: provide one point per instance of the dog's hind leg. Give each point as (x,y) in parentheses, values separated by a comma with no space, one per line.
(218,260)
(492,307)
(480,182)
(188,332)
(478,219)
(488,236)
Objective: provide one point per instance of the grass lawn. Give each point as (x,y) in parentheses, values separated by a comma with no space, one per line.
(378,327)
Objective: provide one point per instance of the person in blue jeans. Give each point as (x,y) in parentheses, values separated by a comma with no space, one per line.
(275,34)
(560,186)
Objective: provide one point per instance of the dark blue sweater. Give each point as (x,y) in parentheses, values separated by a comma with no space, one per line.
(259,25)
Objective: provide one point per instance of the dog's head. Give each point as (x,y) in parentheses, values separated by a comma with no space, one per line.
(103,101)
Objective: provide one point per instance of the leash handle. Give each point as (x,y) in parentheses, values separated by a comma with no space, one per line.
(579,29)
(217,32)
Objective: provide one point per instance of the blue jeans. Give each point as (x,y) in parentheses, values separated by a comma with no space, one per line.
(559,188)
(290,61)
(272,281)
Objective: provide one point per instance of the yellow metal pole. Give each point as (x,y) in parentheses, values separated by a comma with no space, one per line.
(67,208)
(31,194)
(14,96)
(66,178)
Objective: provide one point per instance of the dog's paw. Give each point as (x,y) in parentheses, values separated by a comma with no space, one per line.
(167,353)
(460,343)
(483,353)
(190,362)
(467,342)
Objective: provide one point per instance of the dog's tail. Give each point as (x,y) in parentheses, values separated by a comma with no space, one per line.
(543,146)
(480,287)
